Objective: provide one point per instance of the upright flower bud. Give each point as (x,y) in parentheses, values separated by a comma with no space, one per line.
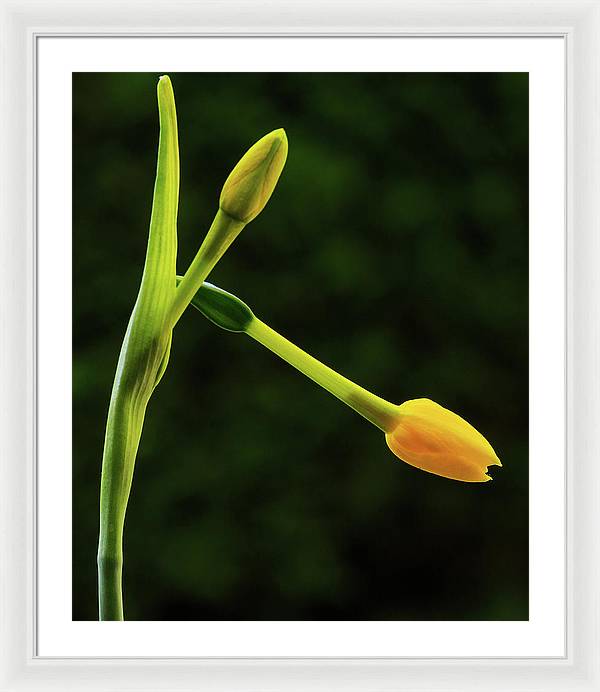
(244,195)
(434,439)
(251,183)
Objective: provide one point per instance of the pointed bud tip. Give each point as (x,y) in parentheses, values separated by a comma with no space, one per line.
(280,134)
(272,147)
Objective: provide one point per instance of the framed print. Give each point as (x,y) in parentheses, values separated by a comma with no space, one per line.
(410,503)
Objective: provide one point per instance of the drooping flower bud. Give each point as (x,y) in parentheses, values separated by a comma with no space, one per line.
(434,439)
(251,183)
(419,432)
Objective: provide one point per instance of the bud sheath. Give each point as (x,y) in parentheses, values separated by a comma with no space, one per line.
(222,308)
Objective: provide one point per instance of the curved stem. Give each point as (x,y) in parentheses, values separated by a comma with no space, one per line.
(376,410)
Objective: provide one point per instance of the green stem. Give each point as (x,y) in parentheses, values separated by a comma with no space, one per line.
(110,598)
(376,410)
(142,360)
(221,234)
(123,432)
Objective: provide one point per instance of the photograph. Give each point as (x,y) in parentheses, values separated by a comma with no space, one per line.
(300,346)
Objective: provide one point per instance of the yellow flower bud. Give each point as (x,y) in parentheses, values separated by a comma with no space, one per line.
(434,439)
(252,181)
(420,432)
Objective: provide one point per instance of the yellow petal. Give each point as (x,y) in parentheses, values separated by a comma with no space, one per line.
(434,439)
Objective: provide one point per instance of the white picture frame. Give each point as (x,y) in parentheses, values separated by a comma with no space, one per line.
(579,23)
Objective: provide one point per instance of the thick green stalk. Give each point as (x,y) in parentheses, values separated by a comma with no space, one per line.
(142,361)
(122,438)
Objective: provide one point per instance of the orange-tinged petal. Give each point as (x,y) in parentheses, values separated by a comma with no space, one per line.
(434,439)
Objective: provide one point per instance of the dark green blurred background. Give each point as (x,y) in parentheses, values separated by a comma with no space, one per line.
(395,248)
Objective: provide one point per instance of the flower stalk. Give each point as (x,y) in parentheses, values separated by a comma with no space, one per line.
(420,432)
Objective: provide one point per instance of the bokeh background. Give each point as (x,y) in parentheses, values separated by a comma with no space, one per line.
(395,248)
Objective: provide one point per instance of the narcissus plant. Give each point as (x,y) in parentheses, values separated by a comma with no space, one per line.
(160,303)
(420,432)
